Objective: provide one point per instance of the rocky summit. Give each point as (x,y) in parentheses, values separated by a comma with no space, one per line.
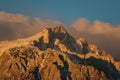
(53,54)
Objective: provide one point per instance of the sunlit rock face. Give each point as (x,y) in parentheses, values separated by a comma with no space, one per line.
(53,54)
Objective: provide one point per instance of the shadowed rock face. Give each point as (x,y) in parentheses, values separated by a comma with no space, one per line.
(55,55)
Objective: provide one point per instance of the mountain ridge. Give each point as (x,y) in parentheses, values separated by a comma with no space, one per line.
(53,54)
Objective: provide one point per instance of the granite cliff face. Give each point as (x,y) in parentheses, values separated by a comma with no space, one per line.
(53,54)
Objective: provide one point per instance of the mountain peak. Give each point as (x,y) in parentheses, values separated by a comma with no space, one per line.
(59,29)
(49,38)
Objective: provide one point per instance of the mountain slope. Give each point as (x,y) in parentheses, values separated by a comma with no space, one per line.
(53,54)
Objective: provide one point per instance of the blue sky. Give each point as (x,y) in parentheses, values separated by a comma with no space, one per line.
(65,11)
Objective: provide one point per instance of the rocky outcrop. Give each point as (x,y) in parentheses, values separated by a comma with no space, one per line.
(83,45)
(55,55)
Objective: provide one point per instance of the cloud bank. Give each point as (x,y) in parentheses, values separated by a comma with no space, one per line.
(106,36)
(14,26)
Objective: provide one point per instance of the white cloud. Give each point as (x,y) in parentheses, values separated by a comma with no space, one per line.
(103,34)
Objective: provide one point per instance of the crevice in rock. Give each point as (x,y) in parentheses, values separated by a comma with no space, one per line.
(37,74)
(64,71)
